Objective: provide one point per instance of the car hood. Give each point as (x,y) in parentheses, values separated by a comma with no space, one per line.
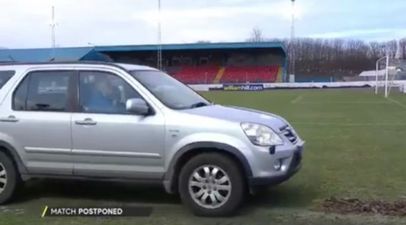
(240,114)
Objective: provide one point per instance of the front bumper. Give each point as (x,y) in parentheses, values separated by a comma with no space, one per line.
(294,166)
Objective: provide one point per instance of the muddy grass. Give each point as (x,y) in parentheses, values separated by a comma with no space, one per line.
(357,206)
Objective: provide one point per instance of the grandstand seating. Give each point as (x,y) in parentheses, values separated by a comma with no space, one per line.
(251,74)
(196,74)
(229,74)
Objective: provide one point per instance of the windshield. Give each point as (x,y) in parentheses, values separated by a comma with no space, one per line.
(169,91)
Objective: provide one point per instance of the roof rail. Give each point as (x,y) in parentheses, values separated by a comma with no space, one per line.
(58,62)
(105,63)
(63,62)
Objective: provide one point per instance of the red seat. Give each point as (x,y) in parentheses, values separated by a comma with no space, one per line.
(251,74)
(232,74)
(196,74)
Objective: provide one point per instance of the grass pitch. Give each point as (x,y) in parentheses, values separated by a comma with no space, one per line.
(355,141)
(355,147)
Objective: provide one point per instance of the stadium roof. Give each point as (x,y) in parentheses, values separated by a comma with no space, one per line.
(193,46)
(95,53)
(49,54)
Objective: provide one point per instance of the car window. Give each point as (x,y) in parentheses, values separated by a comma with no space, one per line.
(20,95)
(5,76)
(103,92)
(168,90)
(43,91)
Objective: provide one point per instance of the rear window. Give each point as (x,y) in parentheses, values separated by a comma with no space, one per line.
(5,76)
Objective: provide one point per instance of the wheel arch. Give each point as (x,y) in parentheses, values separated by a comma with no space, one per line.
(191,150)
(12,153)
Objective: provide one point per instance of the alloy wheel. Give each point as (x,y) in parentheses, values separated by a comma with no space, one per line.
(210,186)
(3,178)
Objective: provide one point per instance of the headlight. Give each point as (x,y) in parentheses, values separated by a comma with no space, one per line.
(261,135)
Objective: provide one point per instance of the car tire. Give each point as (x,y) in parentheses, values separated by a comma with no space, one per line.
(8,178)
(219,193)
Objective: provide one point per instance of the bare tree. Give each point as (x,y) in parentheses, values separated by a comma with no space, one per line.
(203,42)
(403,48)
(338,57)
(256,35)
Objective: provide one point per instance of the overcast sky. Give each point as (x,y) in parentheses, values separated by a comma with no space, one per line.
(25,23)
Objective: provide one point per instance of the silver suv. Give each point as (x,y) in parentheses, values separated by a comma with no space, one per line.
(107,121)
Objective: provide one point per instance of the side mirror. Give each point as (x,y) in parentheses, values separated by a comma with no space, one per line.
(137,106)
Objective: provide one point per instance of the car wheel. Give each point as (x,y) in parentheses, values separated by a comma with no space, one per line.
(8,178)
(212,184)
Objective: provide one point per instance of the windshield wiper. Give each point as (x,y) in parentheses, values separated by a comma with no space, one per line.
(198,104)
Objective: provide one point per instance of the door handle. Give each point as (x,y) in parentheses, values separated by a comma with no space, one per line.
(9,119)
(87,121)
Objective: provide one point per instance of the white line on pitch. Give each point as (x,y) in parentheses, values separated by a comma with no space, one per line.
(397,103)
(297,99)
(347,124)
(343,102)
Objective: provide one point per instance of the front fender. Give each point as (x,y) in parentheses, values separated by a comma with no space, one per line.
(227,144)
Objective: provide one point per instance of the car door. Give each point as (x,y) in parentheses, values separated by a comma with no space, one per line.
(108,141)
(38,121)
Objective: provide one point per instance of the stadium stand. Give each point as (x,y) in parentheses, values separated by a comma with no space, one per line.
(228,74)
(195,63)
(250,74)
(207,63)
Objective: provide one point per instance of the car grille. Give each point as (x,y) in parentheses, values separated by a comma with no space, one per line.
(289,134)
